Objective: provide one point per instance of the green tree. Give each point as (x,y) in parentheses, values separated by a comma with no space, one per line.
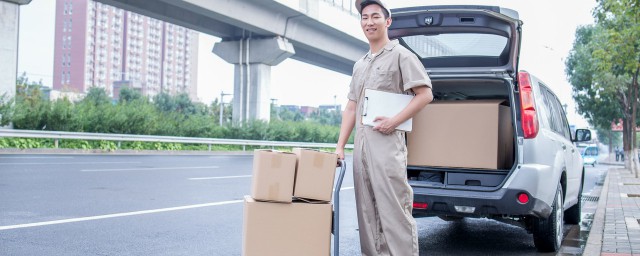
(129,94)
(61,116)
(6,109)
(183,104)
(30,109)
(604,65)
(180,103)
(164,102)
(326,117)
(288,115)
(96,96)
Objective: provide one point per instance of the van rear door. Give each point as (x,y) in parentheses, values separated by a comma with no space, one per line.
(460,39)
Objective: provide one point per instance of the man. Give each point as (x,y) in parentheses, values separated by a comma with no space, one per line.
(384,199)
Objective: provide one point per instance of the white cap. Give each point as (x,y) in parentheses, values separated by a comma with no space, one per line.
(359,4)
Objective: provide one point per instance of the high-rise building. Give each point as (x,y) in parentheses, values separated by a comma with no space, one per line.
(103,46)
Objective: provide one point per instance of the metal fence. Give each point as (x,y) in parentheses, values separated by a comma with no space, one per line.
(57,136)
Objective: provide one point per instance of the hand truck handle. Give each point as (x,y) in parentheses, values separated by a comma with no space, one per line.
(336,208)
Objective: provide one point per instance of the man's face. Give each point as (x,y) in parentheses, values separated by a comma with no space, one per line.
(374,25)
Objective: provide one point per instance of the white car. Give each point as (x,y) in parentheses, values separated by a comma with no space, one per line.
(471,53)
(590,155)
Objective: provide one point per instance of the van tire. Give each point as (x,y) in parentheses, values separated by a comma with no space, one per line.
(547,232)
(573,214)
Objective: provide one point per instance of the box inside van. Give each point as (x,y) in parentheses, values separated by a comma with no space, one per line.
(468,127)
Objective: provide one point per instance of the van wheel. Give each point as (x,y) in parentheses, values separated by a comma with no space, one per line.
(573,214)
(547,232)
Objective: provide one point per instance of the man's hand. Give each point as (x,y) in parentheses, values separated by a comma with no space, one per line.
(340,153)
(385,125)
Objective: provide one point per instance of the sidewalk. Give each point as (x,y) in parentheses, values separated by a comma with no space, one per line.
(616,229)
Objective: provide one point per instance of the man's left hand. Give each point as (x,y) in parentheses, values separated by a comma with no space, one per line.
(385,125)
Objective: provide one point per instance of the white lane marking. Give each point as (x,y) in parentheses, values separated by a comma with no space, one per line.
(115,215)
(221,177)
(34,157)
(70,163)
(146,169)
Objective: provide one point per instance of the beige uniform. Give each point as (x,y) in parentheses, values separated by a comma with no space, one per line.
(384,199)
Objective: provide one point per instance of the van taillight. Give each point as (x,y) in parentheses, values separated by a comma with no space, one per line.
(420,205)
(527,106)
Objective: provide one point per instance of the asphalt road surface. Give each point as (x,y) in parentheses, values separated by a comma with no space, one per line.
(191,205)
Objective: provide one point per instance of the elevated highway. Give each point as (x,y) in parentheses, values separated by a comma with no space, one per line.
(258,34)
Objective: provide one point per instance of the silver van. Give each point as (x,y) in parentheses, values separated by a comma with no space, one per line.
(471,53)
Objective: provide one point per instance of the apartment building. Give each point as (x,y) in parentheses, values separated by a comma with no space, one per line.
(100,45)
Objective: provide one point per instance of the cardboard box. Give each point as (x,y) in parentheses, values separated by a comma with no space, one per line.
(286,229)
(273,175)
(464,134)
(315,174)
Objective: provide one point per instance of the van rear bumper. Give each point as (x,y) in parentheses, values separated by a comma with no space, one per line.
(485,204)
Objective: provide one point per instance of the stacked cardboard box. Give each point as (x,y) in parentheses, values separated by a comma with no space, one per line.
(274,224)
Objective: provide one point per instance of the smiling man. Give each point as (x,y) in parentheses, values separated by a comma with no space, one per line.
(384,199)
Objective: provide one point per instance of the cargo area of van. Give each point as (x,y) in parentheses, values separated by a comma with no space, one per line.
(465,137)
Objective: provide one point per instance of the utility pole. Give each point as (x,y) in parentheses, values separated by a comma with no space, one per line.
(273,104)
(222,94)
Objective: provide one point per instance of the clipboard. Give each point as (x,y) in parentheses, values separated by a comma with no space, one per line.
(379,103)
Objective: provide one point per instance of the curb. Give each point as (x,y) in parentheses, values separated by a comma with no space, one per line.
(611,163)
(594,241)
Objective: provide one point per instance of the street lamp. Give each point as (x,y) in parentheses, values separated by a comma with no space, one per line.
(222,94)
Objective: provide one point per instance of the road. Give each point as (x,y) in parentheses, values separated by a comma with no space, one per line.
(188,205)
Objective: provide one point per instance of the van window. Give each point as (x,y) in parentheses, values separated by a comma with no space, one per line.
(590,151)
(565,122)
(548,109)
(456,44)
(555,114)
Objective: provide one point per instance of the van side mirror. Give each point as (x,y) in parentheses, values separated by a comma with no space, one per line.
(582,135)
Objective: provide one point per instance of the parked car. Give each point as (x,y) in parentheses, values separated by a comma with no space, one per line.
(590,155)
(471,53)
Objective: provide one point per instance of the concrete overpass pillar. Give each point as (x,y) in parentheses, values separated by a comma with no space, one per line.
(9,20)
(253,58)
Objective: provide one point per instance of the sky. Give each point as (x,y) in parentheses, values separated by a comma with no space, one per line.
(547,37)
